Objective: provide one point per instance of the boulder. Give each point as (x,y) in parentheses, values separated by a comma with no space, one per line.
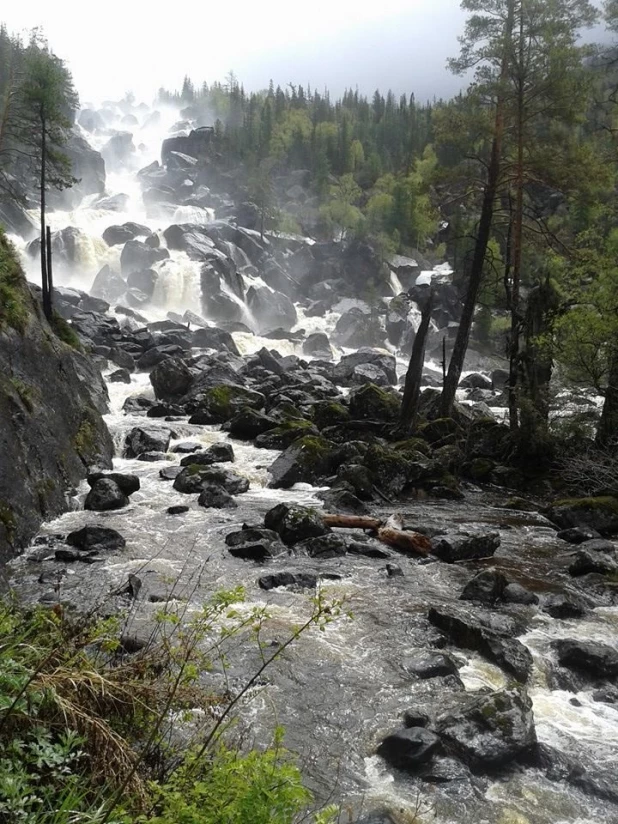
(324,546)
(578,535)
(213,338)
(219,404)
(295,523)
(285,434)
(467,631)
(345,371)
(464,546)
(599,514)
(105,495)
(514,593)
(429,664)
(142,280)
(356,328)
(271,309)
(487,587)
(586,561)
(120,376)
(475,380)
(564,607)
(342,501)
(318,345)
(99,538)
(171,378)
(306,460)
(128,484)
(192,479)
(588,658)
(409,748)
(217,453)
(157,354)
(302,580)
(108,285)
(146,439)
(118,150)
(247,424)
(370,402)
(214,496)
(254,544)
(137,256)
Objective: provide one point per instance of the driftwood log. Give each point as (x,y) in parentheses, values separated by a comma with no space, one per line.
(389,532)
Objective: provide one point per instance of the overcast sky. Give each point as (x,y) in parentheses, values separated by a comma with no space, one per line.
(118,45)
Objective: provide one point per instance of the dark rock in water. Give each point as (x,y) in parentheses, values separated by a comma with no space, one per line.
(587,657)
(344,372)
(295,523)
(318,344)
(323,546)
(271,309)
(468,632)
(586,561)
(306,460)
(600,514)
(356,328)
(70,555)
(285,434)
(370,402)
(127,483)
(146,439)
(489,732)
(137,256)
(303,580)
(409,747)
(152,456)
(247,424)
(428,664)
(144,280)
(192,478)
(170,473)
(499,379)
(158,354)
(120,376)
(177,510)
(368,549)
(214,496)
(341,501)
(219,404)
(254,544)
(488,587)
(187,447)
(564,606)
(394,571)
(217,453)
(516,594)
(105,495)
(476,381)
(577,535)
(359,478)
(607,695)
(596,782)
(108,285)
(118,149)
(443,771)
(464,546)
(98,538)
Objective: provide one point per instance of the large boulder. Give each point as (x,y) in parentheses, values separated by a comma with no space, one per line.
(214,496)
(248,423)
(146,439)
(105,495)
(137,256)
(346,372)
(373,403)
(356,328)
(128,484)
(409,748)
(464,546)
(219,404)
(285,434)
(254,544)
(194,478)
(99,538)
(270,309)
(306,460)
(171,378)
(600,514)
(295,523)
(213,338)
(588,658)
(87,165)
(119,150)
(108,285)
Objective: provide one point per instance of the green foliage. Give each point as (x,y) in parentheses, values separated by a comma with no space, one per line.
(14,299)
(65,332)
(27,394)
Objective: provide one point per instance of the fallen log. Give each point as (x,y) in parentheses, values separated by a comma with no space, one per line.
(390,532)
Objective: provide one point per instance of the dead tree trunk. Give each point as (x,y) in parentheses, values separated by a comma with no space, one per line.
(50,278)
(607,433)
(390,532)
(414,376)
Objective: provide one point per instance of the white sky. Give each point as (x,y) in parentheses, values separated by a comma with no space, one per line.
(118,45)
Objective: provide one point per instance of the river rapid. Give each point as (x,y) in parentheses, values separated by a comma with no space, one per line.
(338,691)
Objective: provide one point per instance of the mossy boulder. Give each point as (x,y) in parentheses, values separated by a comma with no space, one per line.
(390,471)
(295,523)
(439,429)
(285,434)
(307,460)
(219,404)
(195,478)
(449,457)
(248,423)
(358,477)
(330,413)
(370,402)
(411,447)
(480,469)
(486,438)
(600,514)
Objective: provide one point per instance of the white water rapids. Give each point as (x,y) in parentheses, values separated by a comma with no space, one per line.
(338,691)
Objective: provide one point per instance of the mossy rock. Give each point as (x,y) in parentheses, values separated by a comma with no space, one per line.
(440,429)
(307,460)
(599,513)
(285,434)
(370,402)
(389,469)
(480,469)
(412,446)
(486,438)
(220,403)
(330,413)
(449,457)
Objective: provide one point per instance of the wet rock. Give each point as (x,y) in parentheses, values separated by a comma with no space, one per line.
(158,354)
(599,514)
(152,456)
(217,453)
(467,631)
(192,478)
(516,594)
(285,434)
(606,695)
(577,535)
(213,338)
(439,429)
(588,658)
(558,766)
(295,523)
(464,546)
(127,483)
(105,495)
(368,549)
(171,378)
(318,345)
(214,496)
(187,448)
(170,473)
(302,580)
(487,587)
(342,501)
(324,546)
(219,404)
(564,606)
(120,376)
(137,256)
(356,328)
(71,555)
(254,544)
(475,380)
(409,747)
(177,510)
(344,371)
(586,561)
(444,771)
(359,479)
(247,424)
(599,545)
(426,664)
(306,460)
(271,310)
(370,402)
(491,731)
(146,439)
(394,571)
(99,538)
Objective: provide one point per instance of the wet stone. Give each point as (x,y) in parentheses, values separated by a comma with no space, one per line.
(254,544)
(170,473)
(303,580)
(465,546)
(187,447)
(516,594)
(394,571)
(105,495)
(409,747)
(487,587)
(564,606)
(217,453)
(427,664)
(152,457)
(295,523)
(127,483)
(96,537)
(177,510)
(214,496)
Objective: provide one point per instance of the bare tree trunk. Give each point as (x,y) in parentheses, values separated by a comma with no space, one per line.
(414,376)
(44,270)
(607,433)
(50,278)
(482,238)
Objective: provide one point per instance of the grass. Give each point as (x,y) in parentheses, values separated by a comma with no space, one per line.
(65,332)
(14,297)
(87,730)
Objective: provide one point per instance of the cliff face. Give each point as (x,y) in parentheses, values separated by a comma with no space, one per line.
(51,402)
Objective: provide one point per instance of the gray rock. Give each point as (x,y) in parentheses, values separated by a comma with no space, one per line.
(487,587)
(428,664)
(127,483)
(587,657)
(214,496)
(409,747)
(105,495)
(146,439)
(295,523)
(99,538)
(302,580)
(464,546)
